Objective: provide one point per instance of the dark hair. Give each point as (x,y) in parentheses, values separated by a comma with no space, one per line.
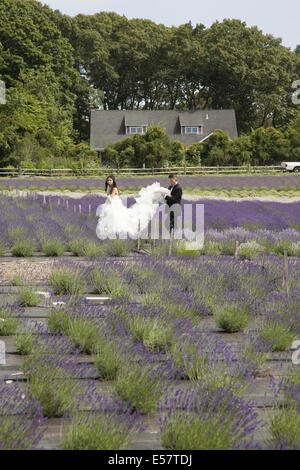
(172,175)
(114,182)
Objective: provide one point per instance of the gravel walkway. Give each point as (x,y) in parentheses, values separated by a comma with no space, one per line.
(28,270)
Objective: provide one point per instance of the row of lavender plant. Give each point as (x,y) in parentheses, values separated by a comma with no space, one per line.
(29,225)
(284,181)
(143,347)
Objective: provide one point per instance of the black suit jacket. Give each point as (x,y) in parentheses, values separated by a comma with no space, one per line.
(175,197)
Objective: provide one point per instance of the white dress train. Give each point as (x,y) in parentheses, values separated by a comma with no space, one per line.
(117,220)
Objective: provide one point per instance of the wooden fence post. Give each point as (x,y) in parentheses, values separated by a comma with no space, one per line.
(90,209)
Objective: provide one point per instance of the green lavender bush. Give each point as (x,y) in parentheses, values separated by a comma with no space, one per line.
(23,248)
(28,297)
(232,317)
(278,336)
(96,432)
(66,281)
(8,323)
(53,247)
(139,386)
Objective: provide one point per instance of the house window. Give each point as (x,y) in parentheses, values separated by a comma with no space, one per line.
(136,130)
(192,130)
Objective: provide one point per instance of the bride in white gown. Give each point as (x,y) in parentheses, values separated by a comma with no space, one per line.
(117,220)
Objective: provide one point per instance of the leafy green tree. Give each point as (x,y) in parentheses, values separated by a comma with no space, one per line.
(193,154)
(83,157)
(269,146)
(240,150)
(215,149)
(292,135)
(177,153)
(248,71)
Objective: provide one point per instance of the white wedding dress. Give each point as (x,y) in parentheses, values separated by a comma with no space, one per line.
(117,220)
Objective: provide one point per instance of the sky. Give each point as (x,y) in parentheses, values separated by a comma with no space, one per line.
(277,17)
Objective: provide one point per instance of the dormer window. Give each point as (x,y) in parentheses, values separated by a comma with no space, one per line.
(192,130)
(136,130)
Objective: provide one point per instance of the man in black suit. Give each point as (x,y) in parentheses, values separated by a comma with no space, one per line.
(174,198)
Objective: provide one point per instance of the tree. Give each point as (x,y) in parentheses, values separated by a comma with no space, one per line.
(240,150)
(292,135)
(269,146)
(193,154)
(215,149)
(248,71)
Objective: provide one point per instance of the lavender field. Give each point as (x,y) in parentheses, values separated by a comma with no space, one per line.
(55,225)
(282,182)
(109,348)
(189,354)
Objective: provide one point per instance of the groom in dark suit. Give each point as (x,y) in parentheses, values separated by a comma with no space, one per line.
(174,198)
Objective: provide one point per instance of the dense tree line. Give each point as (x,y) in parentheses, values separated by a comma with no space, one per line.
(55,66)
(263,146)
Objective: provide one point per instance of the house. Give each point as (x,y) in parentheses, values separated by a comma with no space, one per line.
(188,127)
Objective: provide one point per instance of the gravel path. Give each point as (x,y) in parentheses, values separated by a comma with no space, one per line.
(28,270)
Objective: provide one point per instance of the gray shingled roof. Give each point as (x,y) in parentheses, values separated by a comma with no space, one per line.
(191,119)
(109,126)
